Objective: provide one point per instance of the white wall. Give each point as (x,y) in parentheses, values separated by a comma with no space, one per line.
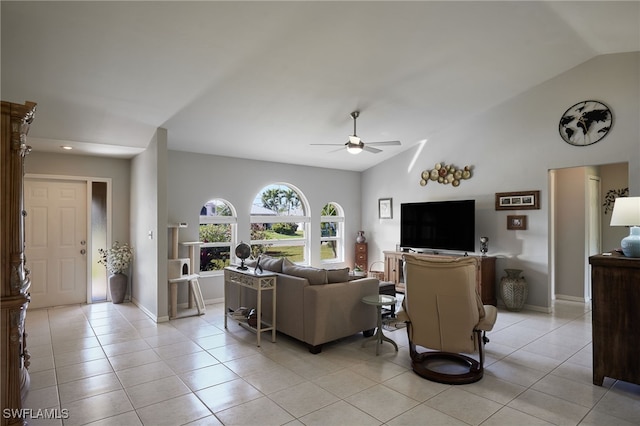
(116,169)
(512,147)
(614,176)
(148,214)
(193,179)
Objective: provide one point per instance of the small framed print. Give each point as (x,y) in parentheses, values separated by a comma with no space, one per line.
(516,222)
(527,200)
(385,208)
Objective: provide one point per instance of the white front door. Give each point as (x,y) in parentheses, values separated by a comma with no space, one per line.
(55,237)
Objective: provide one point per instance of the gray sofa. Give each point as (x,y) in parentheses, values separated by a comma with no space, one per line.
(317,306)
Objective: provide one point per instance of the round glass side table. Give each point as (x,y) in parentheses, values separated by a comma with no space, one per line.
(379,300)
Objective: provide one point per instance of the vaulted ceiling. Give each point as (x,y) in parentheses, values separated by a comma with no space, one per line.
(264,80)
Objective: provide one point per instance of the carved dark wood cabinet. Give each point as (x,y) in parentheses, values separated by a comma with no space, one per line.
(615,317)
(14,294)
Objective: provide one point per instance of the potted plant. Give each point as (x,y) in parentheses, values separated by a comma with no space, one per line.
(117,260)
(358,271)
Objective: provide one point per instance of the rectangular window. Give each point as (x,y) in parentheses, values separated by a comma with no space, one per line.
(281,239)
(217,235)
(329,241)
(332,239)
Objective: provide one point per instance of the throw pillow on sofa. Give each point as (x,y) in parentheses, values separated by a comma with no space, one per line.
(337,275)
(273,264)
(315,276)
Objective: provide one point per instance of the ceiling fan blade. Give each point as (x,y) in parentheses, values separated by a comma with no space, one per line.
(385,143)
(371,149)
(326,144)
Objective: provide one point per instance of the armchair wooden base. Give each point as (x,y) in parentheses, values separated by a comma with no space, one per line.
(447,367)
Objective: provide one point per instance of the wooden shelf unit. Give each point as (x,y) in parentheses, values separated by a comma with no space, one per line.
(393,264)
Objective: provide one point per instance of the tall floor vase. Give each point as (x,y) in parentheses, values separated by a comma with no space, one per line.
(118,287)
(514,289)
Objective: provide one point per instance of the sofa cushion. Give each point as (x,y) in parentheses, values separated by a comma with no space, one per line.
(315,276)
(273,264)
(337,275)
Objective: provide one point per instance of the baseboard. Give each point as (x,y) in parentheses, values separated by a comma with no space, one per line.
(149,313)
(570,298)
(534,308)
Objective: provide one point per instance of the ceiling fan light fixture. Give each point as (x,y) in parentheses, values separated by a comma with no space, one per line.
(354,148)
(353,139)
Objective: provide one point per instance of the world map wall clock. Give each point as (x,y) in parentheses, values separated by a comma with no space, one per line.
(585,123)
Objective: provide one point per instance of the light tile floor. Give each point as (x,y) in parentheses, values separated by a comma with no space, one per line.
(108,364)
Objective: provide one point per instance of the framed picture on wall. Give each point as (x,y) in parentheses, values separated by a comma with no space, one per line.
(516,222)
(527,200)
(385,208)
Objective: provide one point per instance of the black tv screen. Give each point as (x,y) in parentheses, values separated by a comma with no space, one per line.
(438,225)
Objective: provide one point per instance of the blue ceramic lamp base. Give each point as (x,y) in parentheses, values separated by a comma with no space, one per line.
(631,245)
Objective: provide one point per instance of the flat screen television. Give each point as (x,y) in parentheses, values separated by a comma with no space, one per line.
(438,225)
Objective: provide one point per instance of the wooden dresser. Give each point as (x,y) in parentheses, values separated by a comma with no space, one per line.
(486,275)
(615,282)
(14,294)
(362,256)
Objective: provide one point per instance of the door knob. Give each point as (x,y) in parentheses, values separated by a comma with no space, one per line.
(83,251)
(83,242)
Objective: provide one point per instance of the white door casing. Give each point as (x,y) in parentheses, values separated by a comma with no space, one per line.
(56,241)
(594,231)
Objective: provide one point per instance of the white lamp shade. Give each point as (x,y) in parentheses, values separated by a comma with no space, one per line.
(626,212)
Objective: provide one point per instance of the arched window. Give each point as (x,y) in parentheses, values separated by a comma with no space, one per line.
(218,221)
(332,233)
(280,223)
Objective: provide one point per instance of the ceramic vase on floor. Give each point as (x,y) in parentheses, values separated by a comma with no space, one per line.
(514,289)
(118,287)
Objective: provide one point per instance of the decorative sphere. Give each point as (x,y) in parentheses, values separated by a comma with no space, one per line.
(243,250)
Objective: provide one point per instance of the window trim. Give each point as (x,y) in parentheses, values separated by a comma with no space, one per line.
(340,234)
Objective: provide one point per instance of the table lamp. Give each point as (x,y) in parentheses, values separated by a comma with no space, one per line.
(626,212)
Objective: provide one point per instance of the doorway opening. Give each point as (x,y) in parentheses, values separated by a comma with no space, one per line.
(579,224)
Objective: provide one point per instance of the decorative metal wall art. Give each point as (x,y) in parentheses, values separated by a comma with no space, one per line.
(445,174)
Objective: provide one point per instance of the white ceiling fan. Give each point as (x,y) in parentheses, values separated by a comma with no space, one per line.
(355,145)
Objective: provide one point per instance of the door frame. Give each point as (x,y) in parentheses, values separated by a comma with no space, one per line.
(88,181)
(592,210)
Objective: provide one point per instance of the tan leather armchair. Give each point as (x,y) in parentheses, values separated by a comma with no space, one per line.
(444,313)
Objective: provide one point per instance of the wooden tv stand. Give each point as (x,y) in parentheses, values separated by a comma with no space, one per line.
(486,275)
